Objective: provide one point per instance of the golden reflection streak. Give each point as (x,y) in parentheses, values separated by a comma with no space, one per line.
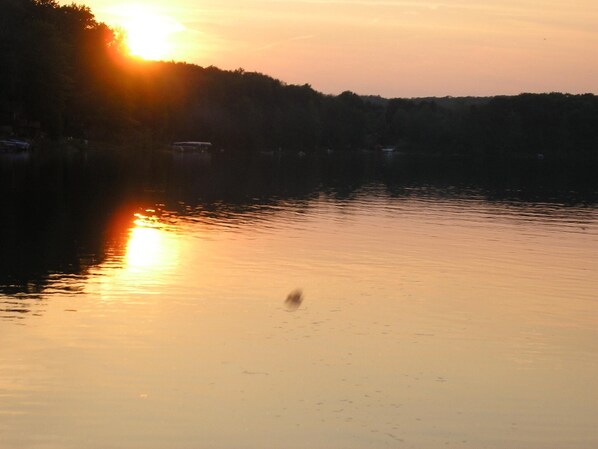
(145,268)
(150,248)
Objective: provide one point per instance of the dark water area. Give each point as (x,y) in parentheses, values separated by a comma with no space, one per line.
(63,212)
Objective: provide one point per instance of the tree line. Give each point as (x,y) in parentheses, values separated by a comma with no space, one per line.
(63,73)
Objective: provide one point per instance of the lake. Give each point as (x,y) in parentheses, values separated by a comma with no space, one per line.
(440,302)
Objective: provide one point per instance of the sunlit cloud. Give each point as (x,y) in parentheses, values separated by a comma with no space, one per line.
(274,44)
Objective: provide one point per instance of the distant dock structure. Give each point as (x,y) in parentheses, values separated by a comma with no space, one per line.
(191,146)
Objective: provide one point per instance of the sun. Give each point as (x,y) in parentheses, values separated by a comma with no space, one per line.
(147,31)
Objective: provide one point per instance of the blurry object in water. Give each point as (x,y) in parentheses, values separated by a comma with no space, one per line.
(294,299)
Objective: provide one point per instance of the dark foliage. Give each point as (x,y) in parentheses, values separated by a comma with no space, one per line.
(65,74)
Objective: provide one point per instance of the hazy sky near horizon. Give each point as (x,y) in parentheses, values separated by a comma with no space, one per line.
(387,47)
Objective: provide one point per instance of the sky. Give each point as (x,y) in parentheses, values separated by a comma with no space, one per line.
(390,48)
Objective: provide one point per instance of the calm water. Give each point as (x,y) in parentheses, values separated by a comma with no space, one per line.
(445,304)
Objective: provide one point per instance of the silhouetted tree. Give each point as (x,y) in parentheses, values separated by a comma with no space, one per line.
(69,73)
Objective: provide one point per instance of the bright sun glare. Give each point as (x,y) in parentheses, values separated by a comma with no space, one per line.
(150,248)
(148,32)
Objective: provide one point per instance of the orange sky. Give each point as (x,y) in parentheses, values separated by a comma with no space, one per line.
(386,47)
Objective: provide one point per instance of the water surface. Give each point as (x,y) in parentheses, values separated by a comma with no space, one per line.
(445,304)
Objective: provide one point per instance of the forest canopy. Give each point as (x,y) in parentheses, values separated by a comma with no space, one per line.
(63,73)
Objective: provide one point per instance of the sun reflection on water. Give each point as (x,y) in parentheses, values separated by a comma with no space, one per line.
(148,262)
(150,248)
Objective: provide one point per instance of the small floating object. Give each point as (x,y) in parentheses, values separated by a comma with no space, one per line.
(294,299)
